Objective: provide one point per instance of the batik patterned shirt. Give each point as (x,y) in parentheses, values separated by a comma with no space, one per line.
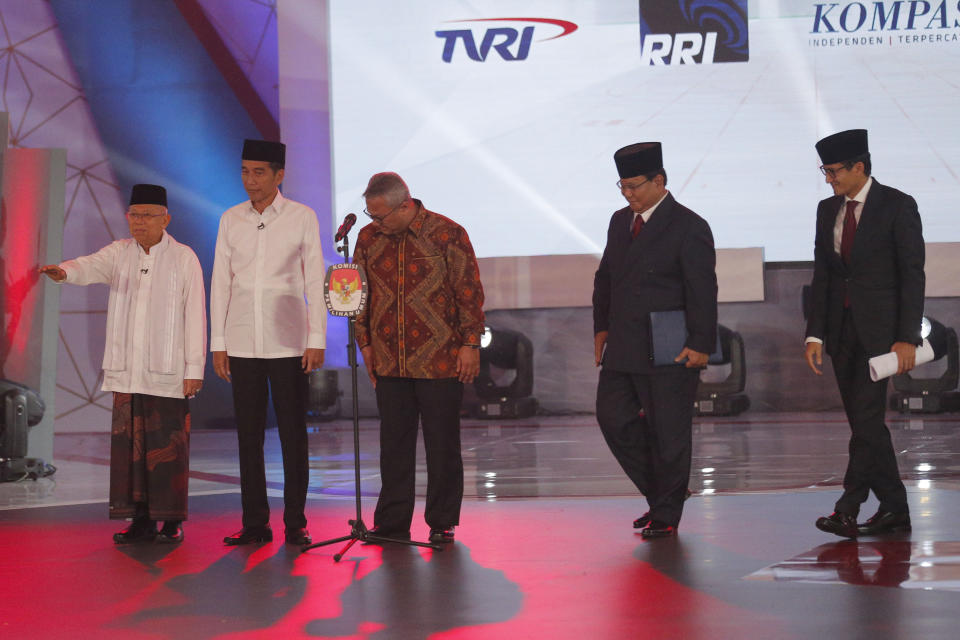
(425,298)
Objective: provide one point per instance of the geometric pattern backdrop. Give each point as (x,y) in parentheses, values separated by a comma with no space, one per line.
(248,28)
(48,108)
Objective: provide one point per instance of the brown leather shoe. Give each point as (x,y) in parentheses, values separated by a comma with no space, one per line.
(249,535)
(839,524)
(884,522)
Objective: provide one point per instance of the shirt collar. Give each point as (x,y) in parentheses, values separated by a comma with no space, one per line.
(646,213)
(861,196)
(274,207)
(416,225)
(164,241)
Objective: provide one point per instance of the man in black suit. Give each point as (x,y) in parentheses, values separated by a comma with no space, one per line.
(867,300)
(659,257)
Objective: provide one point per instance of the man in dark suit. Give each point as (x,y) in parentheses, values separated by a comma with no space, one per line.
(867,300)
(659,257)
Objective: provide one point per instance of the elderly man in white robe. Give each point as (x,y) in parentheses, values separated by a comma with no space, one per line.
(153,361)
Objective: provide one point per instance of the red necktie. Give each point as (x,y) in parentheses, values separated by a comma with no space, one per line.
(637,225)
(849,230)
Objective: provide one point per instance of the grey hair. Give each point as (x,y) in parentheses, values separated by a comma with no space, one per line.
(389,186)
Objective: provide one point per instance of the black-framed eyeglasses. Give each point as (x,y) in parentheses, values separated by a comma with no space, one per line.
(384,216)
(831,171)
(630,187)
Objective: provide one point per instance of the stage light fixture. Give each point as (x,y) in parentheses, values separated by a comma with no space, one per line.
(934,394)
(504,353)
(725,397)
(22,409)
(324,396)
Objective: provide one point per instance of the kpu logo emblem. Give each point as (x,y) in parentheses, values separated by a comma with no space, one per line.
(507,42)
(693,31)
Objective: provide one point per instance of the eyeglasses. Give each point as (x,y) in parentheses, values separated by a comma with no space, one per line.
(384,216)
(630,187)
(832,172)
(143,217)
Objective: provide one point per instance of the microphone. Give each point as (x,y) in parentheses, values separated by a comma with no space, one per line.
(344,229)
(261,226)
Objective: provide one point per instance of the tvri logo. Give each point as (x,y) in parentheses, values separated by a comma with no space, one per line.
(508,42)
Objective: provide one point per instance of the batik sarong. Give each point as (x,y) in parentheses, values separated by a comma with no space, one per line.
(149,456)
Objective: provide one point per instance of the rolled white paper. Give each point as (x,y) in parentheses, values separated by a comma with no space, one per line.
(886,365)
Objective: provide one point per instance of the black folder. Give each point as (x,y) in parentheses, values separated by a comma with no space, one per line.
(668,335)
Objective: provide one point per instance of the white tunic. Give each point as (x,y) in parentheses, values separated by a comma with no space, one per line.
(156,317)
(265,265)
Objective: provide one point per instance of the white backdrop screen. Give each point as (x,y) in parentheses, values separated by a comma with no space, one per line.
(507,119)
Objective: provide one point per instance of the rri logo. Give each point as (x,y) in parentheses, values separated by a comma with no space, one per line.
(509,43)
(693,31)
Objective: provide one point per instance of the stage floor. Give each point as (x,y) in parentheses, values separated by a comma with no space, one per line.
(545,548)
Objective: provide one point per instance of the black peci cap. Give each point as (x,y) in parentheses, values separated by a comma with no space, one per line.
(843,146)
(148,194)
(639,159)
(265,151)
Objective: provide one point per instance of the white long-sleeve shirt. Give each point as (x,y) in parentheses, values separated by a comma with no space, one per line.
(156,316)
(265,265)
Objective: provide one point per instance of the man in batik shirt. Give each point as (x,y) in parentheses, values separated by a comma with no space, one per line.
(420,340)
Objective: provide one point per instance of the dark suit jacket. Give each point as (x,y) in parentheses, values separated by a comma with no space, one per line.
(884,280)
(670,265)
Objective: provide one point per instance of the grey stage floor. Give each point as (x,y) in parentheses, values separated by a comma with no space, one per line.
(545,548)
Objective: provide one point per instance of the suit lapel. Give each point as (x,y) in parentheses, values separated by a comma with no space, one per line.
(618,244)
(831,211)
(868,218)
(655,227)
(659,221)
(652,230)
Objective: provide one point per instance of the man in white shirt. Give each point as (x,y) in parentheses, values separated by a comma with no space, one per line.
(267,332)
(153,361)
(866,300)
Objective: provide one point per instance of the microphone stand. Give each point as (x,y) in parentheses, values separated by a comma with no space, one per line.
(358,530)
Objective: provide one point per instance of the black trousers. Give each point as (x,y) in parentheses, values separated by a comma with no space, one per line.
(288,387)
(403,403)
(873,462)
(647,420)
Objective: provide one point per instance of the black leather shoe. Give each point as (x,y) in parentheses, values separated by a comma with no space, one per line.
(297,536)
(441,535)
(644,520)
(249,536)
(884,522)
(170,533)
(657,529)
(839,524)
(140,530)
